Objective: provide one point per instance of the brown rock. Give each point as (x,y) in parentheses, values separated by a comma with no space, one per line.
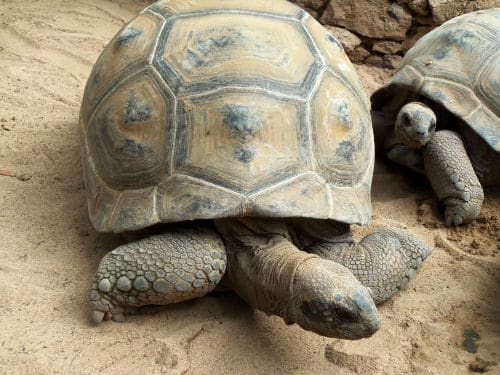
(420,7)
(392,61)
(474,5)
(348,40)
(375,60)
(412,38)
(427,21)
(359,55)
(387,47)
(443,10)
(380,19)
(312,4)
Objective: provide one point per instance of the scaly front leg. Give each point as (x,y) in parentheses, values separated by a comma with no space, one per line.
(452,177)
(384,260)
(162,269)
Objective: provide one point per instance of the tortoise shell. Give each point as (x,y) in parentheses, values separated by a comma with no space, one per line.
(458,66)
(206,109)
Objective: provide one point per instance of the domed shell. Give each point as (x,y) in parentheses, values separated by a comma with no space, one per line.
(458,66)
(205,109)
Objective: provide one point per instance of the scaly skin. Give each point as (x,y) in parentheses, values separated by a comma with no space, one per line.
(272,275)
(383,261)
(167,268)
(266,269)
(452,177)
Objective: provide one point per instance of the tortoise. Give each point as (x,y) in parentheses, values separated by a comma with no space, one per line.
(448,125)
(244,123)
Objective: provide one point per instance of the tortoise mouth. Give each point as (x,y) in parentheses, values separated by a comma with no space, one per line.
(335,320)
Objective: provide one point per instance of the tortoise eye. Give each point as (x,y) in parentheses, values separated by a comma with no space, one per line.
(406,119)
(433,126)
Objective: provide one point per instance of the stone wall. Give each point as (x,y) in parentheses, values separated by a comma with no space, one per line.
(379,32)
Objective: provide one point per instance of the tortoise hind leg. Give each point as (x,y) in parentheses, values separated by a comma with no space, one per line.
(384,260)
(167,268)
(452,177)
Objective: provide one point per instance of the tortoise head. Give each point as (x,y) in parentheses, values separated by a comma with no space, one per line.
(330,301)
(415,125)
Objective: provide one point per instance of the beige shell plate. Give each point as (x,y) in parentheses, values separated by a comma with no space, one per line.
(202,110)
(458,66)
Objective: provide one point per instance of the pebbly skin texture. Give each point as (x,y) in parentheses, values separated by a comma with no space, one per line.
(452,177)
(162,269)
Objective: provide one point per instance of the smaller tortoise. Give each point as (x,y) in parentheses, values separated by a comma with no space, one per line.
(449,81)
(248,115)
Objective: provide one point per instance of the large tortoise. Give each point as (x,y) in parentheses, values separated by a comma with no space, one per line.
(450,81)
(247,113)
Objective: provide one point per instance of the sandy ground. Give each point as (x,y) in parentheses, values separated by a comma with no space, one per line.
(49,251)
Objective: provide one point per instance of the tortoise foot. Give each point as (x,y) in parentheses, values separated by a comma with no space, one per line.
(158,270)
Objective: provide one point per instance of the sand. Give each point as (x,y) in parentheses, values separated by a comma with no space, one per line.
(49,250)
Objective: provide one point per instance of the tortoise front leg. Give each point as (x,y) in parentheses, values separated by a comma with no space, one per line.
(452,177)
(167,268)
(384,260)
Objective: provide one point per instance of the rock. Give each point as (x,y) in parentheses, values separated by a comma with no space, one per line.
(312,4)
(23,177)
(427,21)
(380,19)
(359,55)
(474,5)
(375,60)
(387,47)
(443,10)
(348,40)
(470,338)
(420,7)
(392,61)
(412,38)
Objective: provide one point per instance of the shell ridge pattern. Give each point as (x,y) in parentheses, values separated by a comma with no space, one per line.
(161,11)
(211,184)
(123,77)
(314,90)
(156,214)
(147,77)
(446,82)
(170,76)
(310,41)
(285,182)
(189,88)
(483,72)
(238,132)
(490,32)
(172,135)
(112,217)
(250,89)
(419,74)
(361,100)
(206,12)
(163,21)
